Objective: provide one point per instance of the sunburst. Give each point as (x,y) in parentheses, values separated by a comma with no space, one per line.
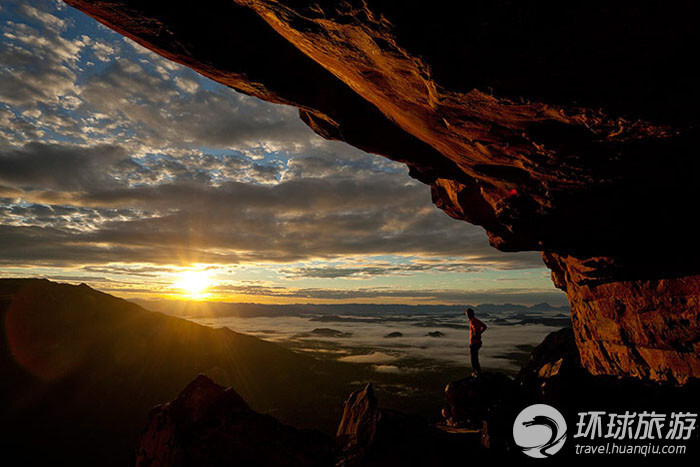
(195,284)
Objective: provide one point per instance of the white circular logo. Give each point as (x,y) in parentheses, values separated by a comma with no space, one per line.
(540,430)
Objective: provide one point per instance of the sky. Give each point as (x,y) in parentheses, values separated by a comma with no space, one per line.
(141,178)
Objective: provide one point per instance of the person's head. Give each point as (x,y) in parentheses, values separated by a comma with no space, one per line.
(470,313)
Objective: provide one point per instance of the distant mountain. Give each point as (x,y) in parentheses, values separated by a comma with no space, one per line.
(198,309)
(81,369)
(491,308)
(327,313)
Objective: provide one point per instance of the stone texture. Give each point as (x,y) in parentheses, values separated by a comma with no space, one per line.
(554,375)
(641,328)
(569,128)
(372,436)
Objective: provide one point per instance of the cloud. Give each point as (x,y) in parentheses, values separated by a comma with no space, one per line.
(111,154)
(157,111)
(60,167)
(187,84)
(38,64)
(46,19)
(146,213)
(411,267)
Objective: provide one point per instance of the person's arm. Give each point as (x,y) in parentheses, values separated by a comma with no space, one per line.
(483,326)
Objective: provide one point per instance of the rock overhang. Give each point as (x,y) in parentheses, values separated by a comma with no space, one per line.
(565,128)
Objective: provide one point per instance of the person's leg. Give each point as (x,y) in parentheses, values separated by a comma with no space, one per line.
(474,354)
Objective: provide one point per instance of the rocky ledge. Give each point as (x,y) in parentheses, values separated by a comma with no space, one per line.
(569,128)
(555,376)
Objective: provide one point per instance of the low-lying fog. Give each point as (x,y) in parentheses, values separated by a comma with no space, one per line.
(403,342)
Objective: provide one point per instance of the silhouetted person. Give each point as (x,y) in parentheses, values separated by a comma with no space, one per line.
(476,328)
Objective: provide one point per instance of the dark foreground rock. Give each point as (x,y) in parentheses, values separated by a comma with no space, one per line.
(471,400)
(482,404)
(555,376)
(209,425)
(372,436)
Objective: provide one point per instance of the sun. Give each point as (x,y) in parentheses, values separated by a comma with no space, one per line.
(195,283)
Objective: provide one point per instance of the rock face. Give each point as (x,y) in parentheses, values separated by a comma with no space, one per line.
(211,425)
(372,436)
(569,128)
(642,328)
(554,375)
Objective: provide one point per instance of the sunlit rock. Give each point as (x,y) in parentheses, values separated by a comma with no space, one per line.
(569,128)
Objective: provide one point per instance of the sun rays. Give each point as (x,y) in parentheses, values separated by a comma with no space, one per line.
(194,284)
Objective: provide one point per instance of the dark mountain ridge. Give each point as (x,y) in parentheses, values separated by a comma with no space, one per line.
(81,370)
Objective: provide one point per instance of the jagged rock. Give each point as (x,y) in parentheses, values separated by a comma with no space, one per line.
(373,436)
(358,427)
(569,128)
(555,358)
(554,375)
(209,425)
